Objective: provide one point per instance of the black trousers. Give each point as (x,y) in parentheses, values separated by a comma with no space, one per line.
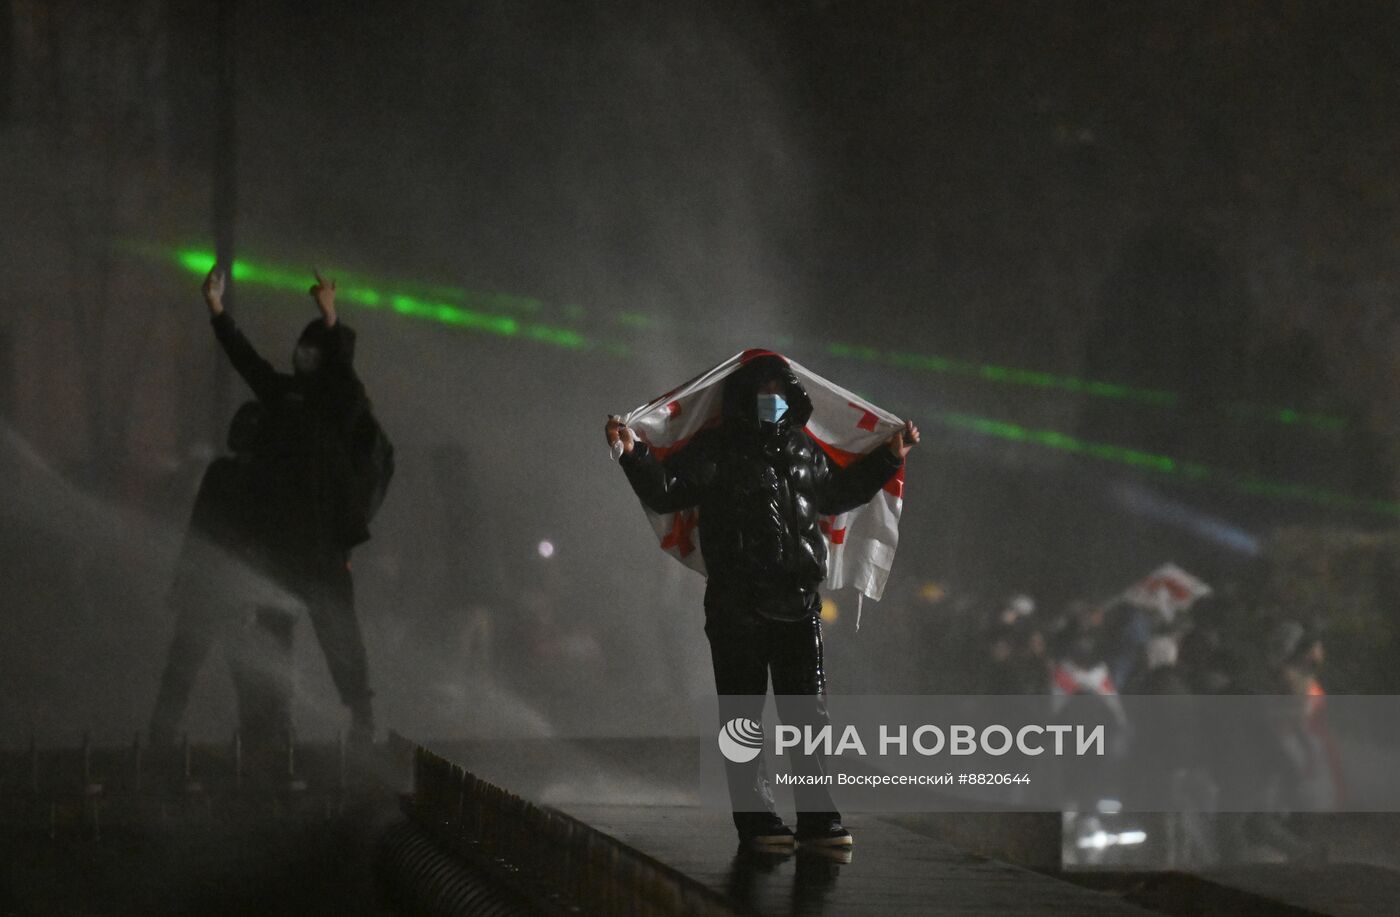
(325,586)
(196,629)
(259,654)
(747,650)
(324,583)
(261,663)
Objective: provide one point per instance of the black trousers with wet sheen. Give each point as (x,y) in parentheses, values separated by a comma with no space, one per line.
(746,650)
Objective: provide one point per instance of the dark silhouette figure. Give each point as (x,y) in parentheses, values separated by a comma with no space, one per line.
(223,538)
(321,470)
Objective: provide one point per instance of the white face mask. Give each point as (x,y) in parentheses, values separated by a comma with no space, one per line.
(771,408)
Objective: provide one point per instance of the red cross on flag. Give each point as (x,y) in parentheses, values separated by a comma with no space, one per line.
(860,543)
(1168,589)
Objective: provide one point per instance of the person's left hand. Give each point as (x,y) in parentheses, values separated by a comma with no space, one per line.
(618,432)
(323,291)
(904,439)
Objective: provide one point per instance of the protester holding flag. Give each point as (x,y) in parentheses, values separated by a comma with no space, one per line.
(1148,606)
(738,455)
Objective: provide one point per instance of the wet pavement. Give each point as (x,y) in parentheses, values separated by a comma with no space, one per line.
(891,871)
(1336,889)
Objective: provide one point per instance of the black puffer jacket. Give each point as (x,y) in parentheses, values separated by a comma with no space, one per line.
(761,490)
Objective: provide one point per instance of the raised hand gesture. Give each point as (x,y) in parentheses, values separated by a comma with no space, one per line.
(323,291)
(213,290)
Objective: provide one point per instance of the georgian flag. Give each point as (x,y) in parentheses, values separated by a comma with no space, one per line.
(860,543)
(1167,590)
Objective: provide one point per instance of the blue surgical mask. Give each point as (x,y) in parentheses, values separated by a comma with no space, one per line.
(771,408)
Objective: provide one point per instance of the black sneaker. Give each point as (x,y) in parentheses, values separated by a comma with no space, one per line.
(763,829)
(823,832)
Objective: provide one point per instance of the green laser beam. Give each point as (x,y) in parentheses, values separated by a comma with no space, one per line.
(479,311)
(1164,464)
(198,261)
(1010,375)
(371,295)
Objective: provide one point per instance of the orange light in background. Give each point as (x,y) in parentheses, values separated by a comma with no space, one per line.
(829,611)
(932,592)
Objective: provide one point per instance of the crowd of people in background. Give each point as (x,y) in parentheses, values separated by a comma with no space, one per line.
(1122,648)
(1117,648)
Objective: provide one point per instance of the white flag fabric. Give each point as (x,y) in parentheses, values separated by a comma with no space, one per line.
(1168,589)
(860,543)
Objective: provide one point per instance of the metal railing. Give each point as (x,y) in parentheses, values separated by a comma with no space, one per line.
(560,864)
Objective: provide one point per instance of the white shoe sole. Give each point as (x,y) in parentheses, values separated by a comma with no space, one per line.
(843,841)
(771,840)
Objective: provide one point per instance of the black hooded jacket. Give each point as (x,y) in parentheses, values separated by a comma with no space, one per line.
(304,463)
(761,490)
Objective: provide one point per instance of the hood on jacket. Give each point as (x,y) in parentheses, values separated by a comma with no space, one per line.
(246,428)
(336,343)
(740,402)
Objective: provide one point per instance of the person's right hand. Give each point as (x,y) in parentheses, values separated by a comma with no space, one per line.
(618,431)
(213,290)
(323,291)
